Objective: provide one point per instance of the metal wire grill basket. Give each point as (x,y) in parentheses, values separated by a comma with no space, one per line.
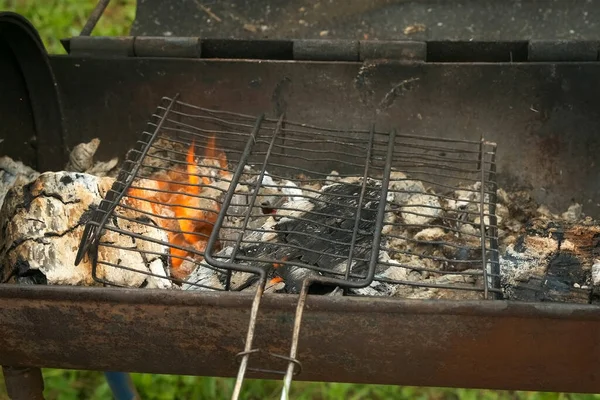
(216,200)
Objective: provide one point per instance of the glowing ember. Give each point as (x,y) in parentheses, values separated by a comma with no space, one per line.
(184,203)
(275,280)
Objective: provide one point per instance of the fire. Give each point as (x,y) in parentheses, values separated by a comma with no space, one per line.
(184,202)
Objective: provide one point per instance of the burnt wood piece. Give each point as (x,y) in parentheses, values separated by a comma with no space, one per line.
(81,159)
(13,173)
(322,237)
(41,224)
(551,261)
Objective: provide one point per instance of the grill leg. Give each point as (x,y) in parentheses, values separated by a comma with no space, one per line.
(24,383)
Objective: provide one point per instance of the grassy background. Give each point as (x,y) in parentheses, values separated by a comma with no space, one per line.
(56,19)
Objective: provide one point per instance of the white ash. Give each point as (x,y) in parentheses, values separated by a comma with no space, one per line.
(333,176)
(532,252)
(573,213)
(418,206)
(267,180)
(14,172)
(43,223)
(519,266)
(391,270)
(160,281)
(413,250)
(413,204)
(430,234)
(205,275)
(465,281)
(294,209)
(159,154)
(596,274)
(292,190)
(261,232)
(81,159)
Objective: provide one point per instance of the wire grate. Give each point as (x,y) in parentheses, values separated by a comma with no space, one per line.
(215,200)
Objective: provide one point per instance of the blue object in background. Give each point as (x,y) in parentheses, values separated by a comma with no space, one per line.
(121,386)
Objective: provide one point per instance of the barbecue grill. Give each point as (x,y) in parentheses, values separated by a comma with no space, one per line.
(340,206)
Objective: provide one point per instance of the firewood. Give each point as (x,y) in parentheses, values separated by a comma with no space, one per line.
(81,159)
(551,261)
(42,223)
(13,172)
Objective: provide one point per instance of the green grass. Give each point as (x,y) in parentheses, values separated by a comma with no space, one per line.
(59,19)
(56,19)
(79,385)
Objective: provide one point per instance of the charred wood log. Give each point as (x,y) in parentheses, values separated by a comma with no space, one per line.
(13,173)
(81,159)
(552,261)
(41,225)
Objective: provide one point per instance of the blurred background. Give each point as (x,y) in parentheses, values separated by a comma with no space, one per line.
(56,19)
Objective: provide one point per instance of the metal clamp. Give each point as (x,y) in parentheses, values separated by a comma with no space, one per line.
(294,361)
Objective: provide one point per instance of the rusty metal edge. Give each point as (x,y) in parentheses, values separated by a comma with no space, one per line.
(287,302)
(535,346)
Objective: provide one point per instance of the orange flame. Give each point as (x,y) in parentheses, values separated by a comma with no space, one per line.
(277,265)
(276,280)
(180,192)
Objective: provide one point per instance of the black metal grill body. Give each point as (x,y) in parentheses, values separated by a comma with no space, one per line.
(532,110)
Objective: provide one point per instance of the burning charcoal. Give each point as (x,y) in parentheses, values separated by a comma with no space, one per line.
(350,180)
(387,269)
(418,207)
(140,255)
(293,277)
(203,274)
(267,180)
(596,275)
(403,188)
(274,285)
(502,213)
(333,176)
(388,222)
(311,190)
(157,267)
(239,201)
(292,190)
(421,209)
(438,293)
(159,155)
(305,234)
(243,281)
(13,173)
(327,213)
(294,209)
(573,213)
(544,212)
(461,250)
(468,230)
(81,159)
(269,199)
(430,234)
(42,225)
